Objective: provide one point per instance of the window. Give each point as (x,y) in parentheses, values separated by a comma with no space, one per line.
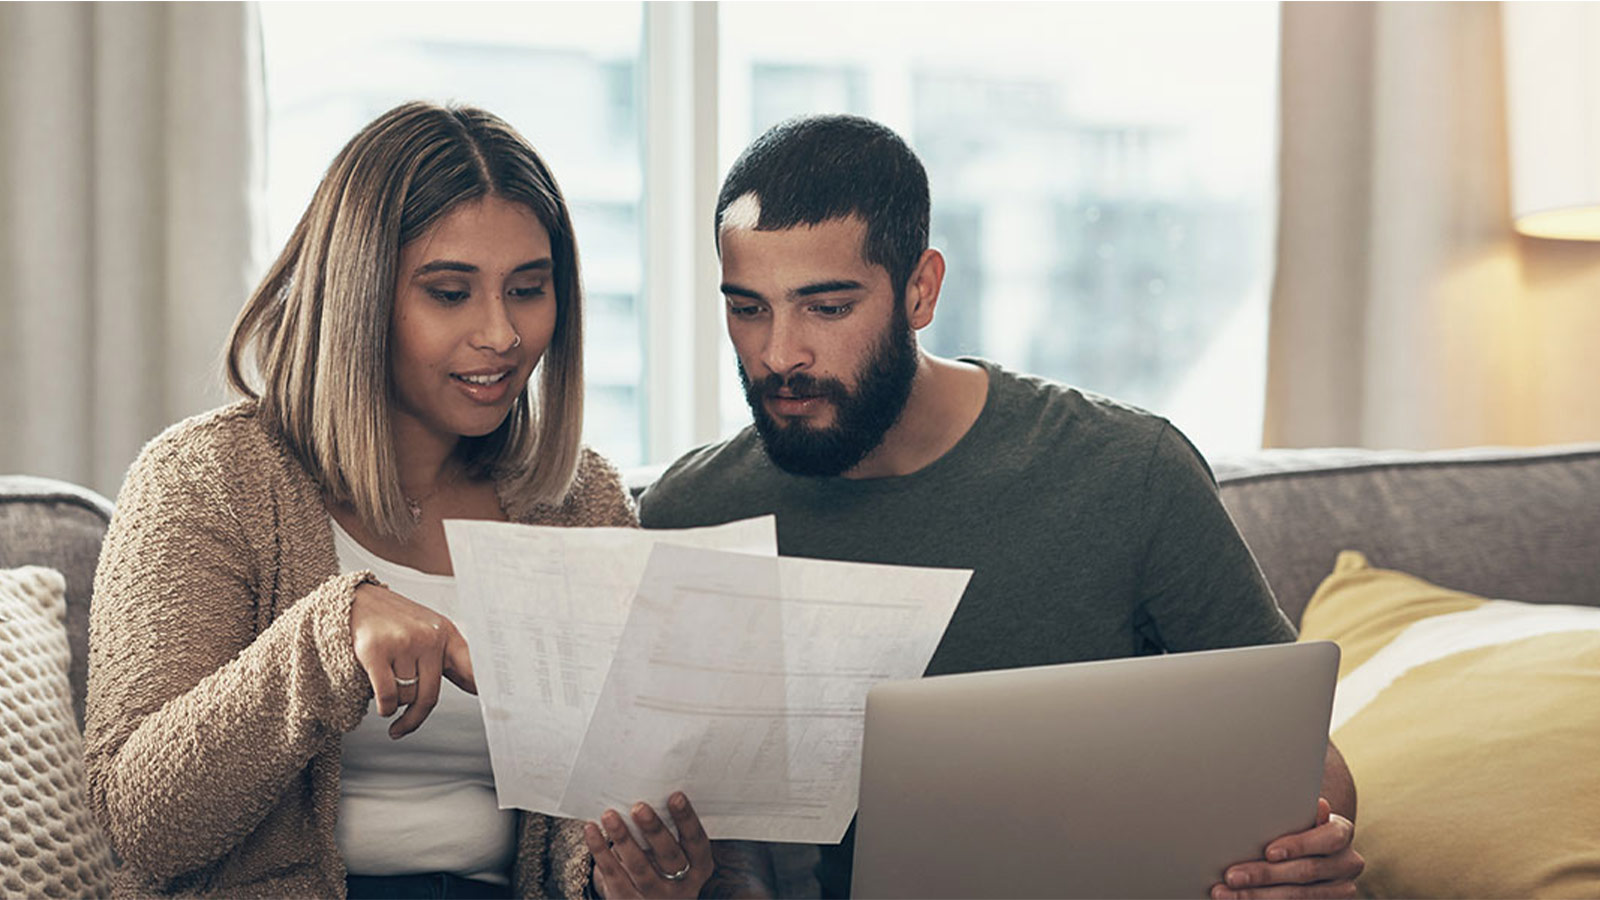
(564,74)
(1102,179)
(1102,174)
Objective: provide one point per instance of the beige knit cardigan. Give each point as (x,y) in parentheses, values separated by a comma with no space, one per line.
(222,674)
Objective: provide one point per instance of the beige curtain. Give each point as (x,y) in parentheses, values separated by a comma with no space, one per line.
(129,183)
(1405,311)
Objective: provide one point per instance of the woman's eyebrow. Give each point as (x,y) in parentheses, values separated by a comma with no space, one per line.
(444,265)
(451,265)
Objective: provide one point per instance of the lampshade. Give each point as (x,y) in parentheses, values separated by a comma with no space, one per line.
(1552,72)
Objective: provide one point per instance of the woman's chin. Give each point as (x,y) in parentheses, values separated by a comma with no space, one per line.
(480,427)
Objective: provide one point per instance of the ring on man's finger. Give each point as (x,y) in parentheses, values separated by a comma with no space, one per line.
(404,682)
(680,874)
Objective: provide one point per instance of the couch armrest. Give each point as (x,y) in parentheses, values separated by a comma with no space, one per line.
(44,522)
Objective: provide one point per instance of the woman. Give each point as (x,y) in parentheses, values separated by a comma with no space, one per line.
(278,566)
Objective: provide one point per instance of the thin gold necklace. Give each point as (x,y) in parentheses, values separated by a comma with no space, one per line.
(414,504)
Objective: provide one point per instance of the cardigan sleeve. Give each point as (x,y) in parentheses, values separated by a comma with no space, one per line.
(199,713)
(598,496)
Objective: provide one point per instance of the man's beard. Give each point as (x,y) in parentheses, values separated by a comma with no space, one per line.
(861,419)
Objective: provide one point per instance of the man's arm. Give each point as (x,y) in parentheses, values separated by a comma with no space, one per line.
(744,869)
(1337,785)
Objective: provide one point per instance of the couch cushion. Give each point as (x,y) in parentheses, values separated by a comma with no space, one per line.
(50,845)
(1471,727)
(1499,522)
(59,525)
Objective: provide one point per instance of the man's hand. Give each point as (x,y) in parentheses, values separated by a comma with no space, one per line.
(1318,862)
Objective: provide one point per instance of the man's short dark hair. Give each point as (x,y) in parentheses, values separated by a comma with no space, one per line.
(813,169)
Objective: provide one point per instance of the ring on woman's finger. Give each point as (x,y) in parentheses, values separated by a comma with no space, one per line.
(680,874)
(404,682)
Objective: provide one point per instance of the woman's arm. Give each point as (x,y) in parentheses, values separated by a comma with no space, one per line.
(197,724)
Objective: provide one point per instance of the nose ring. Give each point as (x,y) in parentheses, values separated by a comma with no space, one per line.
(517,342)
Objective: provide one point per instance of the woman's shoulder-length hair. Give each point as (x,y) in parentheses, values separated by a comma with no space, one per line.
(318,324)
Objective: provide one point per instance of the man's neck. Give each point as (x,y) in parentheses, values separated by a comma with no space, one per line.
(946,398)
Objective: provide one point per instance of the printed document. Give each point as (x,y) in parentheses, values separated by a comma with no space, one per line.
(742,680)
(542,609)
(617,665)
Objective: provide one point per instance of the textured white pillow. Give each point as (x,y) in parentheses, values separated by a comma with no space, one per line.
(50,845)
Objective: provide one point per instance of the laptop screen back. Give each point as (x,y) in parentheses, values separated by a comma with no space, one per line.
(1142,777)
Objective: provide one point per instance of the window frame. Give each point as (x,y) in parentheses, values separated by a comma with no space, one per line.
(683,327)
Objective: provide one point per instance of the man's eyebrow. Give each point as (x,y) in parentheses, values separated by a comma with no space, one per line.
(733,290)
(829,287)
(809,290)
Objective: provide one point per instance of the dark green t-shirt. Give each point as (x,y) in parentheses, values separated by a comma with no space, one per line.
(1093,529)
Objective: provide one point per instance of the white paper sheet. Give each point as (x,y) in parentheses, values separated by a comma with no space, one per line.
(742,680)
(542,610)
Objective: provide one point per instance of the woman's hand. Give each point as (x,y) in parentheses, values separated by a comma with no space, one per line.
(396,638)
(666,868)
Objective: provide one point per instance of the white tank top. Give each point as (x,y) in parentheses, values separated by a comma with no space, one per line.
(424,803)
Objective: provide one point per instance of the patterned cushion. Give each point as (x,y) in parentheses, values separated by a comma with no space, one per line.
(50,845)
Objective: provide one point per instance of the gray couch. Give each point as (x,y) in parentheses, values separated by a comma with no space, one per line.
(1513,523)
(55,524)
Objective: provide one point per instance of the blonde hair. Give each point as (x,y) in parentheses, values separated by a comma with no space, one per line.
(319,322)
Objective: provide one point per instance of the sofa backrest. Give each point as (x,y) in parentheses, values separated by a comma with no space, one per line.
(1515,524)
(51,523)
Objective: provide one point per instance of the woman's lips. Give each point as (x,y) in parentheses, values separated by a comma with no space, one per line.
(474,386)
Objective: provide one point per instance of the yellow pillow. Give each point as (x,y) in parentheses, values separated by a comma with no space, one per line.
(1472,728)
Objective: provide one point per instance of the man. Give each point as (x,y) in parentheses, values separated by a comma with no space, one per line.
(1094,530)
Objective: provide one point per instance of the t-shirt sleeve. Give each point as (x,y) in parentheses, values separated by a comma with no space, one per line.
(1199,586)
(686,496)
(654,510)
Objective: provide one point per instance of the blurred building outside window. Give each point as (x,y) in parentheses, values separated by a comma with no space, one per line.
(1102,174)
(1103,180)
(564,74)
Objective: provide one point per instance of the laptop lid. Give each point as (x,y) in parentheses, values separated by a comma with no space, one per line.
(1140,777)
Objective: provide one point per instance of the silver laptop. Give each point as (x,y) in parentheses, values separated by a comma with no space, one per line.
(1141,777)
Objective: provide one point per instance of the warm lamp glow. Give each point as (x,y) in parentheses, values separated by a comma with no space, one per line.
(1553,114)
(1580,224)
